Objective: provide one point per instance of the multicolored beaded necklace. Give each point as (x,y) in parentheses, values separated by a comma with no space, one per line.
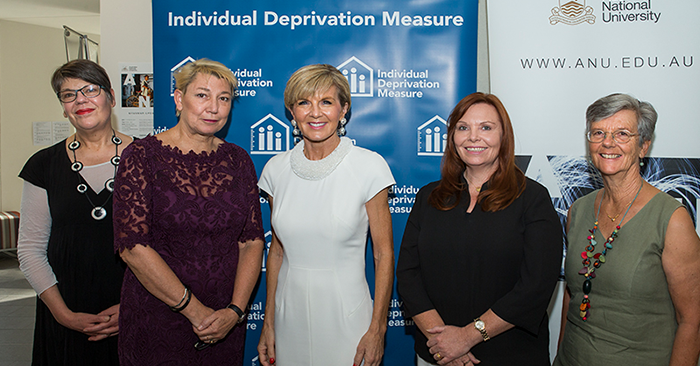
(588,271)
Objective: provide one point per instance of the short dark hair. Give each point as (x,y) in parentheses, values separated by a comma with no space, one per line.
(84,70)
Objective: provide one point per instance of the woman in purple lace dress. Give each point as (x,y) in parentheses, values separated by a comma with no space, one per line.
(187,223)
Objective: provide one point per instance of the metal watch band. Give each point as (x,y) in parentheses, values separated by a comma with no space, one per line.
(481,327)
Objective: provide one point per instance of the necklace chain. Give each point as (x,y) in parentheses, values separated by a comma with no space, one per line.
(478,189)
(619,213)
(592,261)
(97,212)
(613,218)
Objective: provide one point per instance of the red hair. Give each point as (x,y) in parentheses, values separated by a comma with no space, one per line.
(505,185)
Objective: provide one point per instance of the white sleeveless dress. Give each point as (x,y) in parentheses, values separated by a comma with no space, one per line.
(323,305)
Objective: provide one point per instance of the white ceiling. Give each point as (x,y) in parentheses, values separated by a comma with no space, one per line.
(81,15)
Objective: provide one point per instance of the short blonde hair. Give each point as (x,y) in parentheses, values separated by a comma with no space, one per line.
(310,79)
(187,73)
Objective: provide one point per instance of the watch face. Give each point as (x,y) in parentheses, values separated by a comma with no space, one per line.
(480,325)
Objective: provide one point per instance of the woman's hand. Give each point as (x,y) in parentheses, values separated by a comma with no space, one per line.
(465,360)
(266,346)
(89,324)
(216,325)
(106,329)
(370,349)
(448,344)
(81,321)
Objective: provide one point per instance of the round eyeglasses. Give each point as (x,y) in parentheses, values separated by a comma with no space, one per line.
(69,95)
(619,136)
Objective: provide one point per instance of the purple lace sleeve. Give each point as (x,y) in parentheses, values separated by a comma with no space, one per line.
(132,199)
(253,226)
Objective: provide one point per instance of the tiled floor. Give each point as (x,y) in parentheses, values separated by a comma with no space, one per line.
(17,303)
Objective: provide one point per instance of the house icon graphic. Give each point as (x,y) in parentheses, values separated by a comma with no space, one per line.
(269,136)
(432,137)
(172,73)
(360,77)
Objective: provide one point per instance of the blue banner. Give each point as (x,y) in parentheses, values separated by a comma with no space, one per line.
(408,64)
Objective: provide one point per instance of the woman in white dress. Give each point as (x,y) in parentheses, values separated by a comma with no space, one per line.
(327,193)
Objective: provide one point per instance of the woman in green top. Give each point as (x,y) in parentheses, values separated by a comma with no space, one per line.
(633,259)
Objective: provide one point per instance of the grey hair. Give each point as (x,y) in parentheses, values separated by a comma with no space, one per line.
(613,103)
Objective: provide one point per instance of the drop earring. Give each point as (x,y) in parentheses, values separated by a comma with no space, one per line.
(341,127)
(296,131)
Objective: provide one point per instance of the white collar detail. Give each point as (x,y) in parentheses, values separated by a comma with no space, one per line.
(318,169)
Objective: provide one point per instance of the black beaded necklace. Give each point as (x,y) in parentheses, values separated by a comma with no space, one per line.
(98,212)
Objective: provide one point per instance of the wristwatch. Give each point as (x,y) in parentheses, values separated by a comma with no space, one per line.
(481,327)
(237,310)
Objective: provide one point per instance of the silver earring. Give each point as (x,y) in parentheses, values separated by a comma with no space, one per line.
(341,127)
(296,132)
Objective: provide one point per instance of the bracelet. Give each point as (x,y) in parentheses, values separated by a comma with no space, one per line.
(184,296)
(177,308)
(237,310)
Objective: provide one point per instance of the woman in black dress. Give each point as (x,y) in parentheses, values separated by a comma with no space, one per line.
(482,248)
(65,244)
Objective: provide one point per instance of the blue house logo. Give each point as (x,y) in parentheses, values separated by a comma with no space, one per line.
(269,136)
(360,77)
(432,137)
(188,59)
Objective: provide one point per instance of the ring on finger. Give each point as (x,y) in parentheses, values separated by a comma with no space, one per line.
(437,355)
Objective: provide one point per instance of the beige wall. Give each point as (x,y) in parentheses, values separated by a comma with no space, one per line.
(28,56)
(126,35)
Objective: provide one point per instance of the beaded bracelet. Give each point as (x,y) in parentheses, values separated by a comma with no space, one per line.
(188,296)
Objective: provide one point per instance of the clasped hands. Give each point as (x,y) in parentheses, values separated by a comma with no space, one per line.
(449,346)
(96,326)
(214,325)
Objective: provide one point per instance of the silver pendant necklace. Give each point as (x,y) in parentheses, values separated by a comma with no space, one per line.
(98,212)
